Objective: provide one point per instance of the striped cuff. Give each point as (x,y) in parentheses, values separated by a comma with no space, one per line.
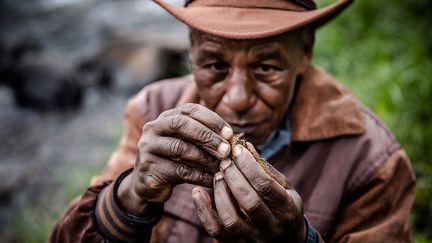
(311,234)
(117,225)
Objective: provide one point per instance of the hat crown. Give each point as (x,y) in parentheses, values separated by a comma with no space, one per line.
(292,5)
(252,19)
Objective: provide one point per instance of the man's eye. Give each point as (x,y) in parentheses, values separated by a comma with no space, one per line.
(218,66)
(263,68)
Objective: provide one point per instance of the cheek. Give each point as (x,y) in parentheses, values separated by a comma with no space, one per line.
(203,77)
(276,94)
(210,93)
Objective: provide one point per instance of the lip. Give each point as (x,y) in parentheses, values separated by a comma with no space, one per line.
(244,123)
(245,127)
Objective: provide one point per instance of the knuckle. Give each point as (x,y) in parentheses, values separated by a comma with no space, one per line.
(252,205)
(297,200)
(165,113)
(205,136)
(208,157)
(148,126)
(184,171)
(151,183)
(211,161)
(191,175)
(265,187)
(153,188)
(213,231)
(144,163)
(145,144)
(141,164)
(176,146)
(200,176)
(189,108)
(176,122)
(142,143)
(295,205)
(205,179)
(230,223)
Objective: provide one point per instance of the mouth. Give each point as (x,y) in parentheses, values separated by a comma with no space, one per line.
(245,127)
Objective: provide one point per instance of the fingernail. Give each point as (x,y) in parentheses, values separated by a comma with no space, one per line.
(223,149)
(227,132)
(237,150)
(218,176)
(224,164)
(195,193)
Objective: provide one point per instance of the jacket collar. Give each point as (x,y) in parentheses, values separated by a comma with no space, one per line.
(322,108)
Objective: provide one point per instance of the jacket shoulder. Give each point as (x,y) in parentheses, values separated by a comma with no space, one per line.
(159,96)
(376,145)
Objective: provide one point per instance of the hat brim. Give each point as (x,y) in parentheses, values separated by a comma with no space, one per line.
(251,23)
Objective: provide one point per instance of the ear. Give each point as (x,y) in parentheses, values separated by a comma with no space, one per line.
(190,56)
(308,43)
(194,36)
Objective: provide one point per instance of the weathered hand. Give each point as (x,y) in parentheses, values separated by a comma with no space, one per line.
(185,144)
(251,203)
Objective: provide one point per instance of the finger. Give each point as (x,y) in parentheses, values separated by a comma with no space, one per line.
(245,195)
(195,132)
(187,174)
(252,149)
(171,172)
(277,198)
(181,151)
(275,174)
(228,212)
(208,215)
(205,116)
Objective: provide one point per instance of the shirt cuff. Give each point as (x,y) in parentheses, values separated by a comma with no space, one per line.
(117,225)
(311,234)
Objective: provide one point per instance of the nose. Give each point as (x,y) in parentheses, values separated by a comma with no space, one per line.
(239,94)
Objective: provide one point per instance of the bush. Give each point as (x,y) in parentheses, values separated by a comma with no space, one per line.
(382,50)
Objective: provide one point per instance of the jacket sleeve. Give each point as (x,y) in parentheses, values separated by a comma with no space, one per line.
(378,210)
(78,223)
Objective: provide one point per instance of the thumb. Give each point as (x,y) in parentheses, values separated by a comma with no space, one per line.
(275,174)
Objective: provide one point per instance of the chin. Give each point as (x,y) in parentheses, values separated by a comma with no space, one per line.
(255,134)
(257,139)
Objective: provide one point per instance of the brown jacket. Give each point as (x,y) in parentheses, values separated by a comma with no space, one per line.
(356,182)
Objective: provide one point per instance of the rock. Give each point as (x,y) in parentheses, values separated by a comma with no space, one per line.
(13,177)
(42,79)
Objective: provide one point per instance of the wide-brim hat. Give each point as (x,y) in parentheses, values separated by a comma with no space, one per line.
(252,19)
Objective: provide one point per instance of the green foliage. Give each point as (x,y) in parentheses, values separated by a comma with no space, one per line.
(382,51)
(34,223)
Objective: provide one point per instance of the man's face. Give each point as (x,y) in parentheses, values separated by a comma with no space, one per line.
(248,82)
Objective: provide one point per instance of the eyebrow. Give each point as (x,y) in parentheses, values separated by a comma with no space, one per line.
(203,54)
(211,38)
(269,55)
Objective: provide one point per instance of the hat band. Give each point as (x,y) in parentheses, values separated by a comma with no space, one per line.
(269,4)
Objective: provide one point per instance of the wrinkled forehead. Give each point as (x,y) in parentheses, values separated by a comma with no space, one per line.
(287,41)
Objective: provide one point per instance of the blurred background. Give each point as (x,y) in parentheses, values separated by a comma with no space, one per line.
(67,68)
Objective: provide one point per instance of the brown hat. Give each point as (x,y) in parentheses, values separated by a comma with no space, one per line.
(252,19)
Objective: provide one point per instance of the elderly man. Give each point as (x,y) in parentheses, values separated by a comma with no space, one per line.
(334,172)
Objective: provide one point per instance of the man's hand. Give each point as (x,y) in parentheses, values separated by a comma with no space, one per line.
(185,144)
(251,203)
